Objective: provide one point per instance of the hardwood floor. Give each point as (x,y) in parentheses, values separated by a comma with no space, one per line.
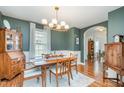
(94,70)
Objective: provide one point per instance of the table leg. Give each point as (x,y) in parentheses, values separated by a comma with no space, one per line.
(43,68)
(121,80)
(117,78)
(70,71)
(103,73)
(57,75)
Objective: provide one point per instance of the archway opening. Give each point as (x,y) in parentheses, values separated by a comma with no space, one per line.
(94,40)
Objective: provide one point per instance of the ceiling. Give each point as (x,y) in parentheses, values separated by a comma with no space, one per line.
(75,16)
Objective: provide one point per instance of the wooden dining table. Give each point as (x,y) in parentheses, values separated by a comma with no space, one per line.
(46,63)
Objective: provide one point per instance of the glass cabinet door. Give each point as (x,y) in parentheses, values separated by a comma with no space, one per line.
(18,41)
(9,41)
(13,41)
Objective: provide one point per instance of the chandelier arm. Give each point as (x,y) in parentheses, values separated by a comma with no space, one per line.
(56,12)
(56,15)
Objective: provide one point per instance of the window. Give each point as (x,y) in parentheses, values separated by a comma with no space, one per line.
(40,42)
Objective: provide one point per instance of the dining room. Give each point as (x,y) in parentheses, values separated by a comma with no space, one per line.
(53,46)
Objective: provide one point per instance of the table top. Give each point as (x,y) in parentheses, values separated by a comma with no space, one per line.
(51,61)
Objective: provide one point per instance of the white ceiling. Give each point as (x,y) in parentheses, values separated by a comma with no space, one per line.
(75,16)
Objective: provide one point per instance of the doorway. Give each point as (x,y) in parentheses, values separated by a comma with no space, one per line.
(98,34)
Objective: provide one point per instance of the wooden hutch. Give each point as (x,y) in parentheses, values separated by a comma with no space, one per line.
(90,50)
(12,58)
(114,59)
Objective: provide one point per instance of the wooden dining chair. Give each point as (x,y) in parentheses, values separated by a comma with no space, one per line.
(74,62)
(31,71)
(62,67)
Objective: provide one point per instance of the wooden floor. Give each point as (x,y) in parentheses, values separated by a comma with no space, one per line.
(94,70)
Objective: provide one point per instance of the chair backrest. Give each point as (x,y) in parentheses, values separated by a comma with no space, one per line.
(63,64)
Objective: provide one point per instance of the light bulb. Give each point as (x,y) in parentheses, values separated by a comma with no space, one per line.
(54,21)
(44,21)
(66,26)
(51,25)
(58,26)
(62,23)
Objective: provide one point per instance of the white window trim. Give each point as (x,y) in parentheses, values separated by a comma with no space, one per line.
(32,38)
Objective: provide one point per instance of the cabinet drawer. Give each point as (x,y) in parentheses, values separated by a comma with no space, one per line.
(15,82)
(15,69)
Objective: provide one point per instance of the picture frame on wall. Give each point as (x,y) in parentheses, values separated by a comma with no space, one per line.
(77,40)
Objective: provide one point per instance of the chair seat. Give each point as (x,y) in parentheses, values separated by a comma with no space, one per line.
(31,73)
(54,70)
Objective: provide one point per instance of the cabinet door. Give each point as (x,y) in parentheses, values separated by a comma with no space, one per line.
(108,54)
(114,55)
(1,66)
(117,55)
(20,40)
(9,40)
(2,43)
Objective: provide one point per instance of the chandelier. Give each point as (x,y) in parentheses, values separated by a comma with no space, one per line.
(54,24)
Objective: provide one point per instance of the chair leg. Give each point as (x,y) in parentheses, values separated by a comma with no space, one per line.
(57,84)
(121,80)
(68,78)
(71,73)
(57,75)
(45,76)
(61,72)
(42,80)
(104,72)
(61,75)
(63,68)
(50,75)
(76,68)
(117,78)
(38,79)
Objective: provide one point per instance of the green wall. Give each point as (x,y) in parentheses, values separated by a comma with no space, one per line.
(64,40)
(105,24)
(59,40)
(73,34)
(115,23)
(1,19)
